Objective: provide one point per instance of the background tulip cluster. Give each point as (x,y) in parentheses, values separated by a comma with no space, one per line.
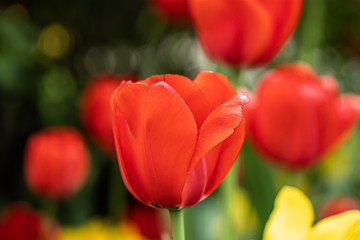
(240,113)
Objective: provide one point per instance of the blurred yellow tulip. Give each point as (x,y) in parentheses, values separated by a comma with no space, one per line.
(293,217)
(101,230)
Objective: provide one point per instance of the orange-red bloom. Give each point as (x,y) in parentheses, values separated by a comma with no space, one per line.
(95,109)
(244,32)
(176,11)
(296,116)
(56,162)
(20,222)
(176,139)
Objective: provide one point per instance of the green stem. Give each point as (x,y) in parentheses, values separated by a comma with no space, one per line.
(177,222)
(228,187)
(235,75)
(49,206)
(227,190)
(312,31)
(294,179)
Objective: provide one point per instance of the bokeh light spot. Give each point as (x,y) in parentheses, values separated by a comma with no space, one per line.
(54,40)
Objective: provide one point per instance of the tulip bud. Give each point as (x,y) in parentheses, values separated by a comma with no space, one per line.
(296,116)
(338,205)
(57,162)
(244,32)
(95,109)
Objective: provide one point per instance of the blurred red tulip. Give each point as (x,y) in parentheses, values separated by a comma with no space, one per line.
(244,32)
(20,222)
(176,139)
(176,11)
(338,205)
(296,116)
(95,109)
(56,162)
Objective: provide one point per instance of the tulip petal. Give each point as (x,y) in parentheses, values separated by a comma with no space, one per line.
(284,15)
(215,86)
(219,125)
(291,218)
(132,171)
(347,111)
(329,84)
(156,155)
(189,91)
(343,226)
(195,184)
(171,136)
(217,128)
(222,156)
(128,114)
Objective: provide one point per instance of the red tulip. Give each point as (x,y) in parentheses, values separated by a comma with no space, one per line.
(296,116)
(244,32)
(21,222)
(95,109)
(56,162)
(338,205)
(171,10)
(176,139)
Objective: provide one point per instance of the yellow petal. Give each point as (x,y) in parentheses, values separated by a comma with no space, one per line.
(343,226)
(291,218)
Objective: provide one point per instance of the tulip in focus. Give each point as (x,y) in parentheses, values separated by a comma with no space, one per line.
(20,222)
(176,11)
(57,162)
(296,116)
(95,109)
(244,32)
(293,217)
(177,139)
(338,205)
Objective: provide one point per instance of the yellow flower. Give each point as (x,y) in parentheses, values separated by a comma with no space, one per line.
(293,217)
(101,230)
